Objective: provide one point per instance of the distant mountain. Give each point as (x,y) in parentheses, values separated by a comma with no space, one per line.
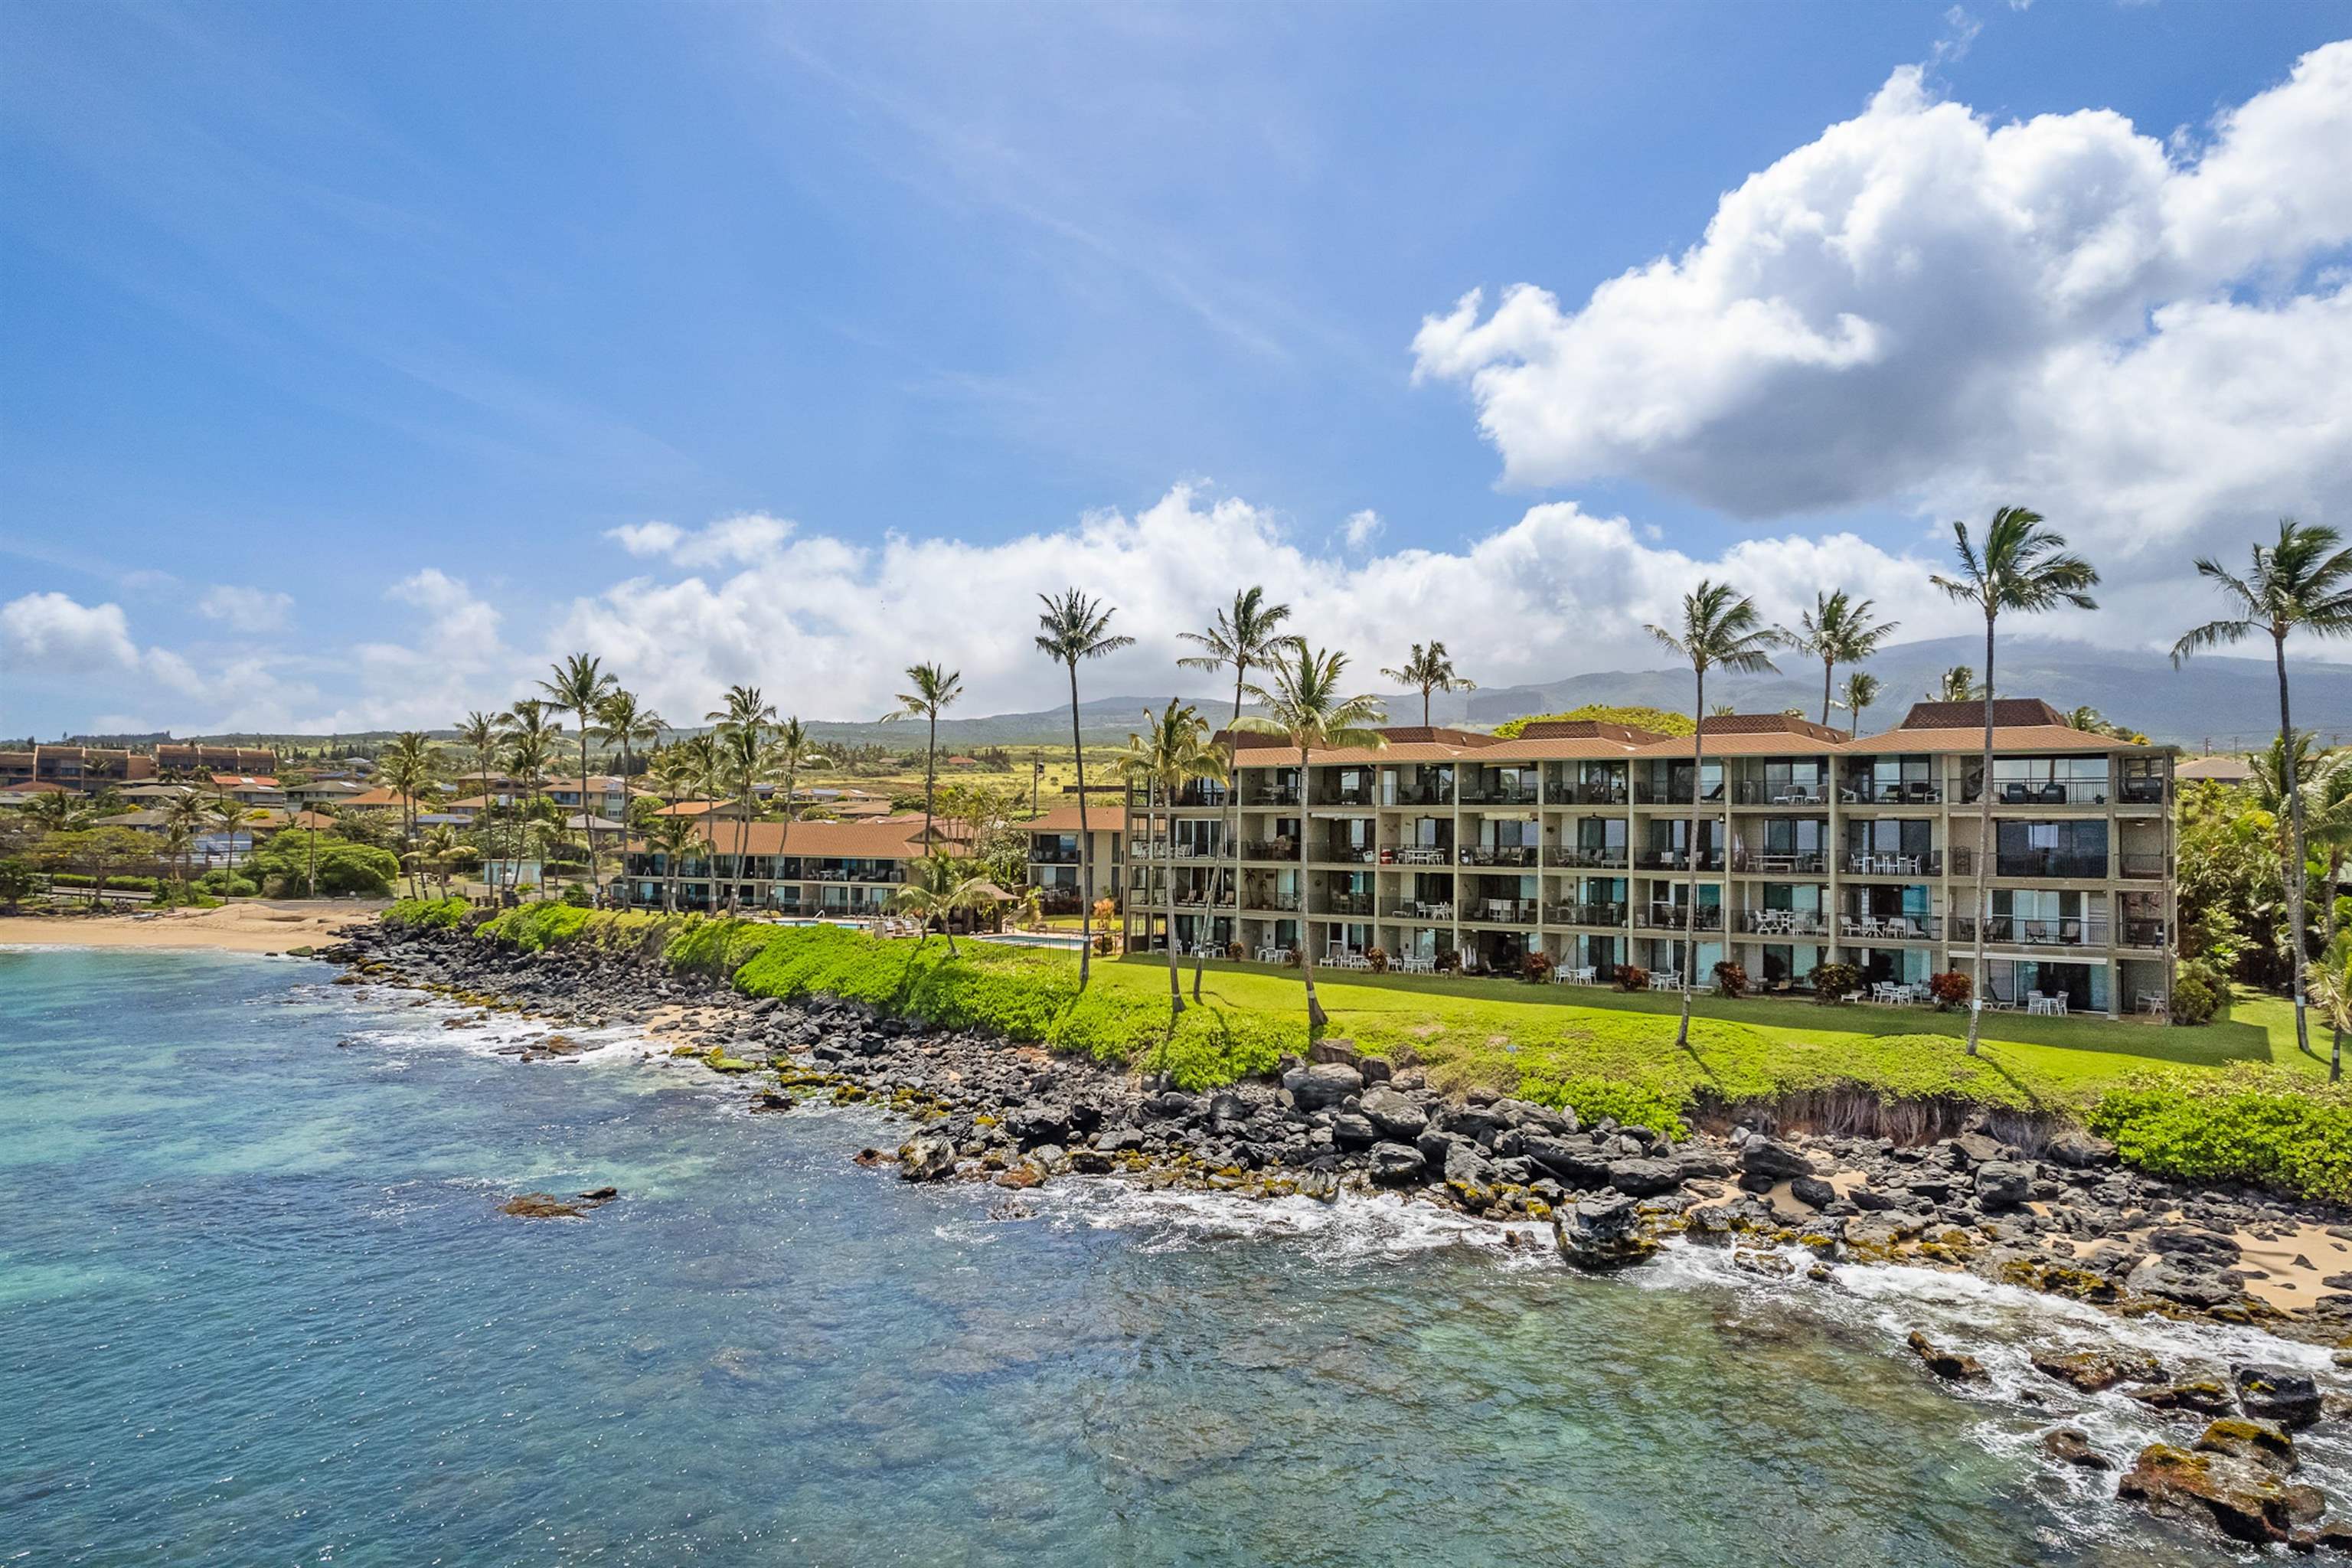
(2229,704)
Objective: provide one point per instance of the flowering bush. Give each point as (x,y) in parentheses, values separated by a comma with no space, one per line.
(1951,989)
(1632,977)
(1833,982)
(1536,968)
(1731,980)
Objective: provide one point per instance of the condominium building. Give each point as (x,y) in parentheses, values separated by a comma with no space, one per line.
(838,869)
(199,757)
(1580,840)
(86,769)
(1067,879)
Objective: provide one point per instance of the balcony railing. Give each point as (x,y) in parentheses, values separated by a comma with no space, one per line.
(2033,863)
(1585,914)
(1054,857)
(1498,855)
(1424,855)
(1273,794)
(2011,930)
(2139,866)
(1894,863)
(1861,789)
(1784,923)
(1677,794)
(1581,856)
(1502,911)
(1669,917)
(1343,797)
(2141,792)
(1280,903)
(1344,854)
(1780,862)
(1675,860)
(1758,792)
(2056,792)
(1566,793)
(2137,931)
(1501,794)
(1357,905)
(1866,927)
(1422,794)
(1270,850)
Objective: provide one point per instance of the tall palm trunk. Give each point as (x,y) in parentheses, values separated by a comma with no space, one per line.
(1829,669)
(587,817)
(1979,978)
(1175,986)
(931,754)
(1316,1018)
(785,834)
(1233,820)
(1690,912)
(2295,866)
(1086,843)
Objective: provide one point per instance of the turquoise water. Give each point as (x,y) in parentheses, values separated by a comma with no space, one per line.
(257,1306)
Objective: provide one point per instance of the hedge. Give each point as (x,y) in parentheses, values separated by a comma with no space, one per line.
(2252,1125)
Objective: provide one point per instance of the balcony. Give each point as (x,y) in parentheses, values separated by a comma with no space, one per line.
(1565,793)
(1498,855)
(1583,856)
(1895,864)
(1502,795)
(1422,909)
(1052,857)
(2136,932)
(2009,930)
(1780,863)
(2143,867)
(1340,798)
(2036,863)
(1867,927)
(2141,792)
(1418,854)
(1861,789)
(1278,903)
(1670,917)
(1270,850)
(1422,794)
(1502,911)
(1784,923)
(1675,860)
(1343,855)
(1357,906)
(1585,915)
(2058,792)
(1757,792)
(1273,794)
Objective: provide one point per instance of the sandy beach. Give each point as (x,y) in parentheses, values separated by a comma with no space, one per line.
(251,927)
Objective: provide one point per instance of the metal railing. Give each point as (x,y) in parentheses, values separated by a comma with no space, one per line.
(1565,793)
(2029,863)
(1784,923)
(1343,797)
(1758,792)
(1866,927)
(1502,795)
(1498,855)
(1894,863)
(2013,931)
(1273,794)
(1270,850)
(2138,866)
(1772,862)
(2052,792)
(1586,914)
(1501,911)
(1578,855)
(1343,853)
(1422,794)
(1675,860)
(1669,917)
(1861,789)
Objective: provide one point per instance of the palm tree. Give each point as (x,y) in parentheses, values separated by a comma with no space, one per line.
(1957,684)
(792,749)
(581,685)
(1860,691)
(1837,630)
(408,768)
(1171,751)
(60,813)
(629,722)
(441,849)
(735,750)
(228,816)
(937,886)
(1075,627)
(1243,636)
(2301,583)
(479,733)
(1430,669)
(184,818)
(673,838)
(2331,987)
(2022,567)
(531,745)
(1305,708)
(1720,628)
(934,689)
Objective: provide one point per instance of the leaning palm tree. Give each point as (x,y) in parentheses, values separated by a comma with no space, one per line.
(1720,629)
(441,848)
(673,838)
(1242,638)
(1861,690)
(1837,630)
(735,749)
(1303,705)
(934,689)
(1430,669)
(1957,684)
(1171,751)
(2301,584)
(1072,629)
(581,685)
(2022,567)
(937,886)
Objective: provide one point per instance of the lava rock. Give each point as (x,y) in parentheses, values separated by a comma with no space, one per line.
(925,1158)
(2003,1183)
(2244,1499)
(1812,1192)
(2094,1370)
(2278,1393)
(2072,1446)
(1644,1178)
(1396,1165)
(1763,1157)
(1322,1086)
(1948,1364)
(1395,1114)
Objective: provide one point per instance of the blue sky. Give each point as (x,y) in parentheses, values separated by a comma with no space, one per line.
(344,341)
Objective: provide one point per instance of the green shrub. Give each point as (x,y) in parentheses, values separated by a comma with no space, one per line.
(1951,989)
(118,884)
(2199,993)
(577,896)
(1833,981)
(427,914)
(344,867)
(2252,1125)
(225,883)
(1593,1099)
(535,928)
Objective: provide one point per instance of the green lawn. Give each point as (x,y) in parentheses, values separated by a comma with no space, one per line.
(1508,1035)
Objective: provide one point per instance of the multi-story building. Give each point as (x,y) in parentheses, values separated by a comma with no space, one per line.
(1579,840)
(197,757)
(836,869)
(1055,866)
(86,769)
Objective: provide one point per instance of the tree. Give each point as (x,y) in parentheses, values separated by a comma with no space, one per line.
(1720,629)
(2301,584)
(793,750)
(1957,684)
(228,816)
(184,818)
(673,838)
(938,885)
(408,768)
(1861,691)
(628,722)
(581,685)
(1658,721)
(16,882)
(1429,669)
(1241,637)
(442,848)
(2331,988)
(1073,628)
(60,813)
(530,743)
(1171,751)
(934,689)
(1837,630)
(1303,705)
(2023,568)
(737,748)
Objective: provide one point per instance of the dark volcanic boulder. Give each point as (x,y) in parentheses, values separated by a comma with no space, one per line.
(1038,1122)
(925,1159)
(1644,1178)
(1396,1165)
(1763,1157)
(2187,1280)
(2003,1183)
(1576,1161)
(1395,1113)
(2245,1499)
(1812,1192)
(1322,1086)
(2072,1446)
(2278,1393)
(1950,1364)
(1350,1131)
(2093,1370)
(1601,1233)
(2078,1149)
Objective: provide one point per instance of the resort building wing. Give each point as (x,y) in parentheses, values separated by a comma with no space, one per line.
(1580,841)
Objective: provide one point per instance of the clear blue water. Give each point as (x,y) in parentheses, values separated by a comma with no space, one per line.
(257,1306)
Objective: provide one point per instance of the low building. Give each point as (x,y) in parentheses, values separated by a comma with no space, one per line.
(2225,770)
(822,868)
(1068,880)
(253,789)
(203,757)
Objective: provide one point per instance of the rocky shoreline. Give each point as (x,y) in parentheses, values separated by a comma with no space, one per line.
(2064,1217)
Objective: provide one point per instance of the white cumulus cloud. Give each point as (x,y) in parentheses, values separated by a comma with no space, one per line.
(1925,308)
(247,609)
